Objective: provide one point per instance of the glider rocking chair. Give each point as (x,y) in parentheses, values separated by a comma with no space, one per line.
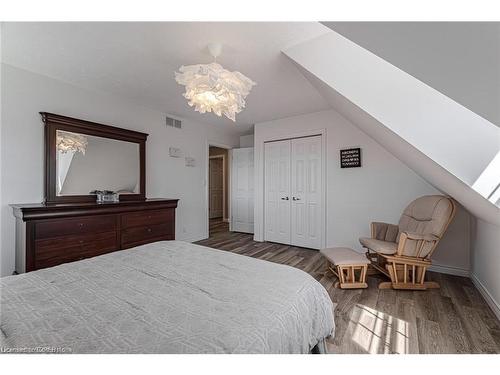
(402,252)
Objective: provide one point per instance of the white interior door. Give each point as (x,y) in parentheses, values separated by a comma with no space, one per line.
(277,192)
(306,192)
(216,188)
(242,190)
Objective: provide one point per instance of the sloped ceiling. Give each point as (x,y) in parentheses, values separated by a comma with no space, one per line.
(459,59)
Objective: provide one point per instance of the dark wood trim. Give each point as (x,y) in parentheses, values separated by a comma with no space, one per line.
(55,122)
(107,131)
(30,247)
(142,176)
(36,211)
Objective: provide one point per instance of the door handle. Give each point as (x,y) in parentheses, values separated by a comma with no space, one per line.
(284,198)
(296,199)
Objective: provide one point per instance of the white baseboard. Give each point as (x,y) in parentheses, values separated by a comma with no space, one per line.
(449,270)
(495,306)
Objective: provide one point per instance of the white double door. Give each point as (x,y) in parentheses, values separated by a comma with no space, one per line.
(293,192)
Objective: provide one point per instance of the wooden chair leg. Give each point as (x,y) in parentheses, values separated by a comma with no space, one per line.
(385,285)
(420,274)
(347,277)
(364,270)
(407,276)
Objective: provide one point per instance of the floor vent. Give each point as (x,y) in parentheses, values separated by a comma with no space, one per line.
(174,122)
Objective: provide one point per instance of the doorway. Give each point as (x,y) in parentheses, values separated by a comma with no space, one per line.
(218,185)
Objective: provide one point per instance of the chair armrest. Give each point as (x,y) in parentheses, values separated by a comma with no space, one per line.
(416,245)
(384,231)
(417,236)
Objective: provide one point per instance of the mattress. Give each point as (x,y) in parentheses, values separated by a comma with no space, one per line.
(165,297)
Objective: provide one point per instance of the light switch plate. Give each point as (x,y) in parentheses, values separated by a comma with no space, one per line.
(190,162)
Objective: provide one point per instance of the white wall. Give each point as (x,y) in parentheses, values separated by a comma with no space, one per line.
(378,191)
(246,140)
(486,261)
(24,94)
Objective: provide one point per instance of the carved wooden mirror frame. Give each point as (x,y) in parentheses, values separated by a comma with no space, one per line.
(53,123)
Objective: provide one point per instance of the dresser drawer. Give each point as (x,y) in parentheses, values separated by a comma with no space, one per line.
(141,235)
(51,252)
(81,225)
(146,218)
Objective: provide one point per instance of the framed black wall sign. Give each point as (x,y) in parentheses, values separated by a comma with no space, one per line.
(350,158)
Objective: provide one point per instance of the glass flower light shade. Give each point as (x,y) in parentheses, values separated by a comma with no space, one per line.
(211,88)
(71,142)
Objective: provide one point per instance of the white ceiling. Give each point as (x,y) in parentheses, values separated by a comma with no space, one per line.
(137,61)
(460,59)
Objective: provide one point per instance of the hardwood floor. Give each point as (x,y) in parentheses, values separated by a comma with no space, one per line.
(218,226)
(453,319)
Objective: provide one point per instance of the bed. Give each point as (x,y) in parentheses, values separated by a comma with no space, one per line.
(165,297)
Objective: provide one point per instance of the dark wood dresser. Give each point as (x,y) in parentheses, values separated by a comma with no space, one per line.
(51,234)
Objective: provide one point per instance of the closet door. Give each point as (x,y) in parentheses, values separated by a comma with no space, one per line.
(277,191)
(306,192)
(242,190)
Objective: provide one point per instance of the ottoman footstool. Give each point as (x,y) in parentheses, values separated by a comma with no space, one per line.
(348,265)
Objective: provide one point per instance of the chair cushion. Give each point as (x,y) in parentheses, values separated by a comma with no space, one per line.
(427,215)
(383,247)
(344,255)
(384,231)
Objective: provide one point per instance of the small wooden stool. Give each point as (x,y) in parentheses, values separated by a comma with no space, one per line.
(346,263)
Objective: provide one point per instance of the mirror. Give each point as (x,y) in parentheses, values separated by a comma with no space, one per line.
(82,157)
(86,163)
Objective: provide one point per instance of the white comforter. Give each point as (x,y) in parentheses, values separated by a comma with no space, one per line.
(165,297)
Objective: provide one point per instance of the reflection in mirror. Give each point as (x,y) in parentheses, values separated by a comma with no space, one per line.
(86,163)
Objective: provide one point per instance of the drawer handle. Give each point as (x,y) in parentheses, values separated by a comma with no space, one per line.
(149,229)
(81,224)
(149,217)
(81,241)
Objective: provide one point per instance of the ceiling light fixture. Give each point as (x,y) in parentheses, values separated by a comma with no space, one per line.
(211,88)
(71,142)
